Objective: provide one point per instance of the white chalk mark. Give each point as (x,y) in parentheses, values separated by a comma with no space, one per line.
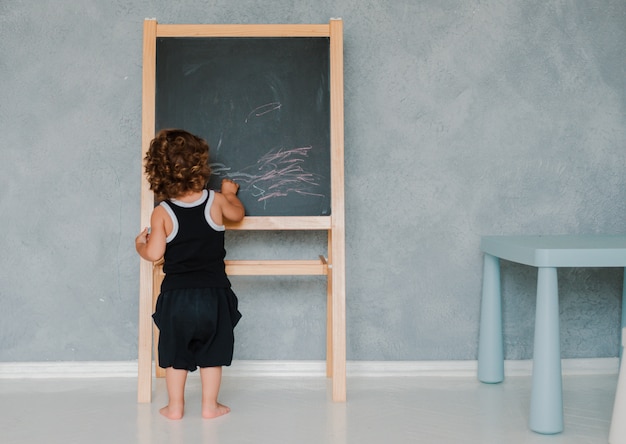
(218,168)
(263,109)
(258,191)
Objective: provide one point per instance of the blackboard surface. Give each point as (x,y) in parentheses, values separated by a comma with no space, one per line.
(263,105)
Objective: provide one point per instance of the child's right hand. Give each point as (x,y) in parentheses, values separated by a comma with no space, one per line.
(229,205)
(229,186)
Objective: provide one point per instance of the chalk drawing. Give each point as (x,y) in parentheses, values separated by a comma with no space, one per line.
(277,173)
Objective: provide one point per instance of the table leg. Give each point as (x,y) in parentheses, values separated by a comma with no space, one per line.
(617,432)
(546,400)
(490,344)
(621,345)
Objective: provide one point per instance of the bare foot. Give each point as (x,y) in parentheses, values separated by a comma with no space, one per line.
(172,412)
(214,411)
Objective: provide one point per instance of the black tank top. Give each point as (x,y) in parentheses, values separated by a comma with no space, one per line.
(194,254)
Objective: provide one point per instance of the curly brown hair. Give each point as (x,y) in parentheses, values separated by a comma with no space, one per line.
(177,162)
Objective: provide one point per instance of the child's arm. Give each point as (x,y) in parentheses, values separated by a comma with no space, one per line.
(230,205)
(151,246)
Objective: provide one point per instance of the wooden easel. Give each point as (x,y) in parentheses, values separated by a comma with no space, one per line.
(333,266)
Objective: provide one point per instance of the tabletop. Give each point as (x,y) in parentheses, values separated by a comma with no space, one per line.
(588,250)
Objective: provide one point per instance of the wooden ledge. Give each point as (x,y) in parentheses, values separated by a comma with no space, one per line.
(277,268)
(281,223)
(317,267)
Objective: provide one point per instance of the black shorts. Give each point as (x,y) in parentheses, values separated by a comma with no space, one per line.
(196,327)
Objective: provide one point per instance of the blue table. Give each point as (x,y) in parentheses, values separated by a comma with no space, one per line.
(547,253)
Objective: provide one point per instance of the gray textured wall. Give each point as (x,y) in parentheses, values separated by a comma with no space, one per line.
(462,118)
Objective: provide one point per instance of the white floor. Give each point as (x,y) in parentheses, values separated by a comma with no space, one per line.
(298,410)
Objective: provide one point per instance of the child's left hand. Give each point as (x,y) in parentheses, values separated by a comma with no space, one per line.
(142,238)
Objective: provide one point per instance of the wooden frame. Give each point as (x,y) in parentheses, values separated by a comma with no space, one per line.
(333,267)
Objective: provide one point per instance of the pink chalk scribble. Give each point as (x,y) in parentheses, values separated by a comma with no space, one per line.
(277,173)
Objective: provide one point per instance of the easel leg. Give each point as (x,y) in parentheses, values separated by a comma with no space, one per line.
(144,370)
(338,337)
(329,323)
(339,350)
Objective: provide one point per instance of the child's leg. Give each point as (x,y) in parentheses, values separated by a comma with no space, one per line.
(211,378)
(175,380)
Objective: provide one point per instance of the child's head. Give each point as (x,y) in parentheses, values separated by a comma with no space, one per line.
(177,163)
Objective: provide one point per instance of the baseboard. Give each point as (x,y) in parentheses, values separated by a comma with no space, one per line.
(569,367)
(260,368)
(68,369)
(469,368)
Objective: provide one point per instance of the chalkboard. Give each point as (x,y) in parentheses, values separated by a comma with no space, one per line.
(263,105)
